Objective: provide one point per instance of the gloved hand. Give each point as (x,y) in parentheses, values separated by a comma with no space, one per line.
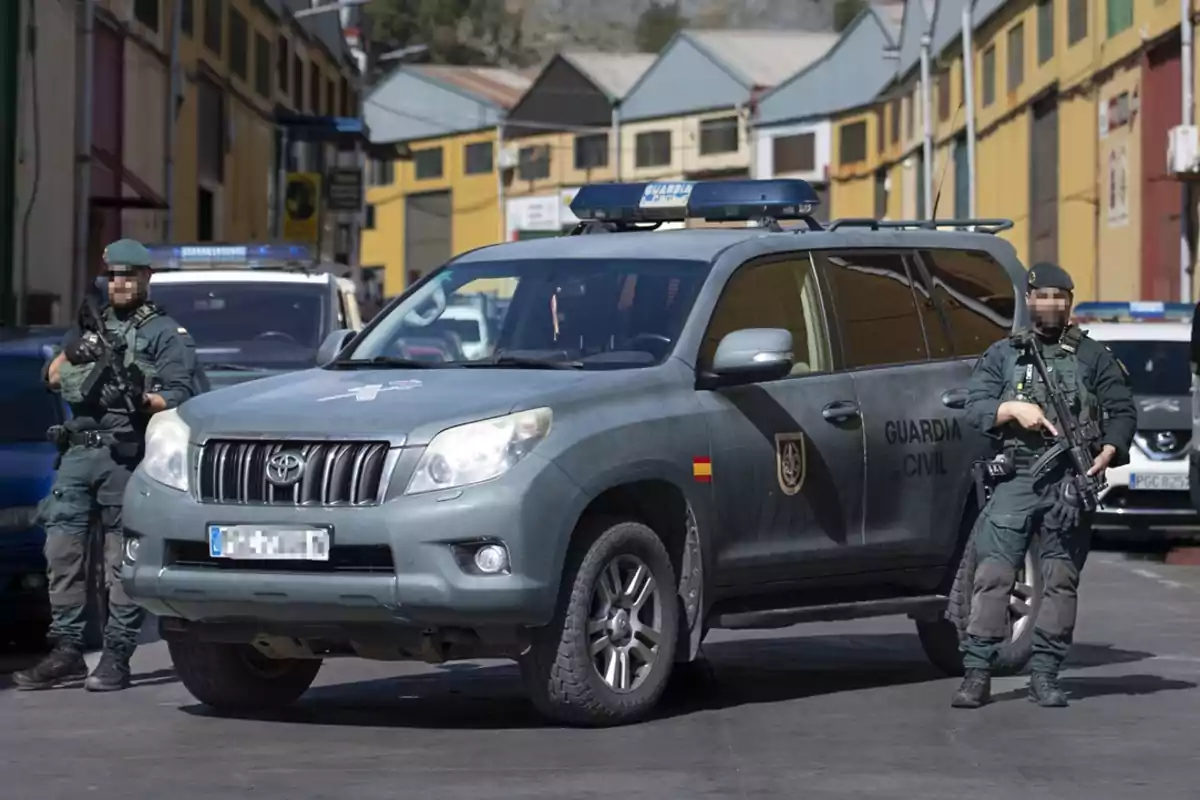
(113,398)
(1067,508)
(83,348)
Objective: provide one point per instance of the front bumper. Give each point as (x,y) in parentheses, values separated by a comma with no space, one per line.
(1126,504)
(391,564)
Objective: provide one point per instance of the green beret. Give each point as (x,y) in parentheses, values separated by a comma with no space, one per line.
(127,253)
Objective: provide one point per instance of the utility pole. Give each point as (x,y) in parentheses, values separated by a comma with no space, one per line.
(968,48)
(927,111)
(1188,117)
(10,60)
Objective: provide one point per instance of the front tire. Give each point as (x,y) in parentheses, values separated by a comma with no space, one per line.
(607,655)
(237,678)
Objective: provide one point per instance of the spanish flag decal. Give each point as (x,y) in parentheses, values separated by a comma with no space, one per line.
(702,470)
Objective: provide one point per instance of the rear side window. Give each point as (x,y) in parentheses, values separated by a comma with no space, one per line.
(27,409)
(976,296)
(876,307)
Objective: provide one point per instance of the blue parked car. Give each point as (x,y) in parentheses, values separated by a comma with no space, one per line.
(26,475)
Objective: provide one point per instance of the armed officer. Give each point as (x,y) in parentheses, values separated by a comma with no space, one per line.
(118,367)
(1034,501)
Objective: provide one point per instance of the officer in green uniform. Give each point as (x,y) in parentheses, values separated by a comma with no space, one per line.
(1008,402)
(100,446)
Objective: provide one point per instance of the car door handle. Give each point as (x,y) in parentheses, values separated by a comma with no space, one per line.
(955,398)
(840,410)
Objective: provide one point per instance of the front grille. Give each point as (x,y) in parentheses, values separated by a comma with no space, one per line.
(342,558)
(334,473)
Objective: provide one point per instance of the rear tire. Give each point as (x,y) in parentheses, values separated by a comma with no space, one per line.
(237,678)
(609,618)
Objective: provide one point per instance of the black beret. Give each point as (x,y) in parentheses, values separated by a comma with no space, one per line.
(1045,275)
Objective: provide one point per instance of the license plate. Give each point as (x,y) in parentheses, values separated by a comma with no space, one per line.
(1151,481)
(268,542)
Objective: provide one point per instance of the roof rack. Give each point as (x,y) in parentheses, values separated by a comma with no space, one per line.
(624,207)
(992,226)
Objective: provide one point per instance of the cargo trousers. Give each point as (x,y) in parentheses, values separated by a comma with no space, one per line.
(90,481)
(1013,518)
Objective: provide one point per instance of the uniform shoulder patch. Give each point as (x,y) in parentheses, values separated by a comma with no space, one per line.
(1120,363)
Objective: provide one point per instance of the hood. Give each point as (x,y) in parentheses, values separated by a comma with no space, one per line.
(26,473)
(392,403)
(1163,412)
(220,378)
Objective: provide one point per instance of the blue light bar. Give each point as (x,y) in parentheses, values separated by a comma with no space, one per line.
(1136,311)
(192,256)
(678,201)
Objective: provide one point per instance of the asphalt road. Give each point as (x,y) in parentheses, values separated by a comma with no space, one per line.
(850,710)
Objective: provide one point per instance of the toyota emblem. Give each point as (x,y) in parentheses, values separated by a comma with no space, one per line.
(285,469)
(1165,440)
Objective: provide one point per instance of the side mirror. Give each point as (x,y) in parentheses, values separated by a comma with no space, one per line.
(333,345)
(752,355)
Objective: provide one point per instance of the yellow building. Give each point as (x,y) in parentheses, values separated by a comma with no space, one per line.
(244,59)
(441,195)
(1073,104)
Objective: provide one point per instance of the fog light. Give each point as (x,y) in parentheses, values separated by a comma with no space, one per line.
(132,545)
(491,559)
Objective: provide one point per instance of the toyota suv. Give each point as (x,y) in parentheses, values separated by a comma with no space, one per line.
(746,427)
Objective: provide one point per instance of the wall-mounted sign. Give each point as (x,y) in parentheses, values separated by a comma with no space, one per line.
(345,189)
(301,207)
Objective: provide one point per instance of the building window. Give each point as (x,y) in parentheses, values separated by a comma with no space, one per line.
(1016,56)
(1045,30)
(477,158)
(795,153)
(262,65)
(344,97)
(943,95)
(719,136)
(239,44)
(146,12)
(381,172)
(591,151)
(652,149)
(210,132)
(989,76)
(297,84)
(427,163)
(852,143)
(1077,21)
(214,19)
(205,216)
(330,98)
(369,222)
(533,163)
(282,58)
(187,15)
(314,88)
(911,128)
(897,113)
(880,112)
(1120,16)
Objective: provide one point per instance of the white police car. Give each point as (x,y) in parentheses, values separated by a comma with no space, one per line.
(1152,341)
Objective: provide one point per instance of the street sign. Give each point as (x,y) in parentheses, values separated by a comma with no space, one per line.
(302,207)
(345,187)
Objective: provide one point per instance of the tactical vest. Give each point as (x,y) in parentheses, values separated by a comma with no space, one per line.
(119,332)
(1024,383)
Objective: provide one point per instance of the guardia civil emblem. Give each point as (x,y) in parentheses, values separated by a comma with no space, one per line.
(790,462)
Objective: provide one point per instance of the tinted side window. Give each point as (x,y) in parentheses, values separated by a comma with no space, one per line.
(778,294)
(875,308)
(976,296)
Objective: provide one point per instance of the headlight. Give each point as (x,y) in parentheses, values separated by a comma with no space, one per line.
(478,451)
(166,449)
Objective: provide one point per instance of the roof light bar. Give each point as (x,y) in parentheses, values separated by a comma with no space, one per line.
(1136,311)
(712,201)
(241,256)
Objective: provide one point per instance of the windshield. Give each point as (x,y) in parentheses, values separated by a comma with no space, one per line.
(263,325)
(591,313)
(27,408)
(1155,367)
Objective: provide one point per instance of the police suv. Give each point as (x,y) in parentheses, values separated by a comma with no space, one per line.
(254,310)
(748,427)
(1150,339)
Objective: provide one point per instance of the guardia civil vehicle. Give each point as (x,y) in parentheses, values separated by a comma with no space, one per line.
(747,427)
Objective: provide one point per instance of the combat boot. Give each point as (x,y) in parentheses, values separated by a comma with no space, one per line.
(975,691)
(63,664)
(1045,691)
(112,673)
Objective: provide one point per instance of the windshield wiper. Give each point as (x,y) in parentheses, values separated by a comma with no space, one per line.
(522,362)
(219,365)
(381,361)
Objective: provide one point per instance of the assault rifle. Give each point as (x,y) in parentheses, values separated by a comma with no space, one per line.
(110,365)
(1074,439)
